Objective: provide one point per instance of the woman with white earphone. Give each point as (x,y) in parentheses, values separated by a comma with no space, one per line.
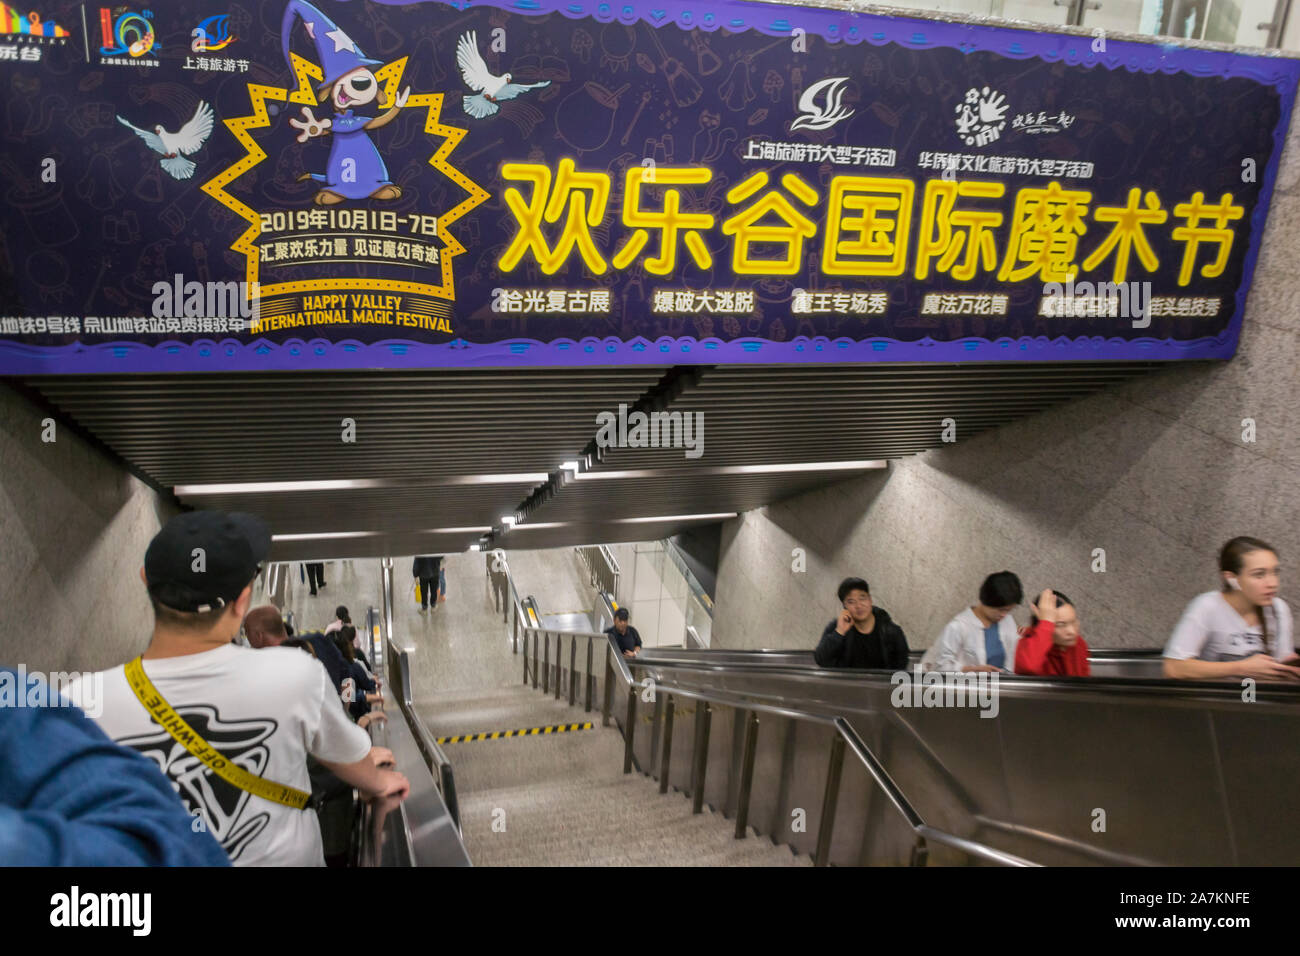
(1243,630)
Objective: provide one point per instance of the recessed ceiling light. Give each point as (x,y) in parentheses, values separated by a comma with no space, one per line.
(661,518)
(353,484)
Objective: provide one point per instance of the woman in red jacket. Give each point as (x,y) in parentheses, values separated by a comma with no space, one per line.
(1051,646)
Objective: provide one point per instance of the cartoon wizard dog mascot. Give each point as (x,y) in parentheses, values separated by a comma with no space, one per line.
(355,169)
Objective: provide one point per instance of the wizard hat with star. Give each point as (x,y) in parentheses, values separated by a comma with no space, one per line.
(337,53)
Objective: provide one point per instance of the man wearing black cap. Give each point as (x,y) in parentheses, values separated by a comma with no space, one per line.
(629,641)
(230,726)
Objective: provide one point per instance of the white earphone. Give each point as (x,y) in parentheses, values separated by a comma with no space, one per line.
(1232,582)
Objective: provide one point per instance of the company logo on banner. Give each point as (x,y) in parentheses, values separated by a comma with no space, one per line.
(411,184)
(24,35)
(981,117)
(820,106)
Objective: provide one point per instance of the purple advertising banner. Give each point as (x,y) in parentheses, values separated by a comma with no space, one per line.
(326,184)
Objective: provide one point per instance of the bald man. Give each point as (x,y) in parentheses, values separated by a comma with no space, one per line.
(264,627)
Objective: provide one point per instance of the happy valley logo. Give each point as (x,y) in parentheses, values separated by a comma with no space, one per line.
(29,27)
(351,103)
(22,36)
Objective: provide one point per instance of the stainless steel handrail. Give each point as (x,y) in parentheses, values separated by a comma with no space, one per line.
(1191,693)
(603,570)
(272,581)
(678,557)
(615,570)
(614,661)
(434,756)
(846,736)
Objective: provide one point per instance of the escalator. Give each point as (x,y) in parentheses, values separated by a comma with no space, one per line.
(1104,662)
(853,768)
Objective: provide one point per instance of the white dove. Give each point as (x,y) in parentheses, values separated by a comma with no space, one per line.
(189,139)
(490,89)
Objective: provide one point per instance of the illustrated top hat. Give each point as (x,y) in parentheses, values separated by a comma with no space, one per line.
(337,52)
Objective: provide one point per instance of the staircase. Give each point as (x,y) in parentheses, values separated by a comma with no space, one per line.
(562,799)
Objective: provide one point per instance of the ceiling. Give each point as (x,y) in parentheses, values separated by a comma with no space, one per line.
(437,457)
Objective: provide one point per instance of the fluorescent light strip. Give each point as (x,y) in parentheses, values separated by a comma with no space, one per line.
(805,466)
(264,487)
(660,518)
(541,525)
(736,470)
(375,534)
(352,484)
(325,536)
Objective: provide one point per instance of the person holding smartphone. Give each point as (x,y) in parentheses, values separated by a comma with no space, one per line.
(862,635)
(1241,630)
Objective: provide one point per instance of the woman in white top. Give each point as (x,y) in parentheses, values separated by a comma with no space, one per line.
(982,637)
(1243,630)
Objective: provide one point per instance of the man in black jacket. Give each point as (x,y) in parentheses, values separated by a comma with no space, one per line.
(426,567)
(628,640)
(863,635)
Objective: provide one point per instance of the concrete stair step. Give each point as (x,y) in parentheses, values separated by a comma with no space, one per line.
(631,822)
(566,800)
(557,759)
(459,718)
(754,850)
(610,848)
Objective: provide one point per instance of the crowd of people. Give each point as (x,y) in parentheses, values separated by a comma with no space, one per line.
(262,738)
(262,734)
(1242,629)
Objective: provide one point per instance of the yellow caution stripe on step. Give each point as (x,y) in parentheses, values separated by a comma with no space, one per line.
(526,732)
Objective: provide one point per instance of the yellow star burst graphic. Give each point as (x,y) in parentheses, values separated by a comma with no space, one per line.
(308,76)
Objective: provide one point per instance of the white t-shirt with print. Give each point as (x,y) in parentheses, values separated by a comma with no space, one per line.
(1212,630)
(266,710)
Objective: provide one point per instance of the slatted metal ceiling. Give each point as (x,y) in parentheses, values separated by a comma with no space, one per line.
(773,415)
(426,438)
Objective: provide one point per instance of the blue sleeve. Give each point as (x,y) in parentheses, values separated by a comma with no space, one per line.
(73,797)
(363,679)
(364,683)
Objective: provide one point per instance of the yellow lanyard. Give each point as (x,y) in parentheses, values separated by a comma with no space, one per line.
(184,734)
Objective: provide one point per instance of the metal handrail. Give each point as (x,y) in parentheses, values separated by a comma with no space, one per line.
(1190,692)
(692,582)
(614,568)
(846,736)
(603,571)
(433,754)
(272,581)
